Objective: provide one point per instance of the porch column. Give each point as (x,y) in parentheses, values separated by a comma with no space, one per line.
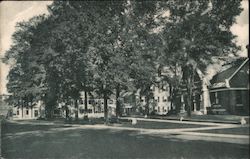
(182,108)
(205,98)
(194,102)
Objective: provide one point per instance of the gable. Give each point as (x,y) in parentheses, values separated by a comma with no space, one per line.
(241,78)
(235,76)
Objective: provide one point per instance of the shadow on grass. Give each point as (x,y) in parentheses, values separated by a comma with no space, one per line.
(8,127)
(73,142)
(243,130)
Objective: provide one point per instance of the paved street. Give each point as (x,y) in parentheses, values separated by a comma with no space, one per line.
(25,139)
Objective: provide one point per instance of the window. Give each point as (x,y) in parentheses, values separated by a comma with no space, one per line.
(154,99)
(81,111)
(110,101)
(81,101)
(27,112)
(36,113)
(17,112)
(89,110)
(141,99)
(164,99)
(91,101)
(238,98)
(212,98)
(158,99)
(216,98)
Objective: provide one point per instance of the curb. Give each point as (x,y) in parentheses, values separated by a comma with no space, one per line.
(210,121)
(194,120)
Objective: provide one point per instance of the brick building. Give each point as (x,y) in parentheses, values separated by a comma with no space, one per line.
(229,91)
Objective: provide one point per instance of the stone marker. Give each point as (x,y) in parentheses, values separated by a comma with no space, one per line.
(181,118)
(243,121)
(134,121)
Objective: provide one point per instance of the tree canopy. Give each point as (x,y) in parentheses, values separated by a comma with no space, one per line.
(104,46)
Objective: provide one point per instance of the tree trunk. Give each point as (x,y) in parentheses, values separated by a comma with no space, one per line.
(76,109)
(49,110)
(105,107)
(31,102)
(147,106)
(171,93)
(31,111)
(67,112)
(190,83)
(22,107)
(118,113)
(49,107)
(86,101)
(189,100)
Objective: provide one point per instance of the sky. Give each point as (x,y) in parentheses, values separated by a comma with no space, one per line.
(12,12)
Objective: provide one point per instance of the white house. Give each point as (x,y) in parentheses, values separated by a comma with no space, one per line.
(161,95)
(23,113)
(95,107)
(160,102)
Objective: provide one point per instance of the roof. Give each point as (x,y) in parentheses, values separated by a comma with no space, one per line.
(222,78)
(126,94)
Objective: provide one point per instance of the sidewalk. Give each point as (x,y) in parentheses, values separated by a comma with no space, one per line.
(226,119)
(196,133)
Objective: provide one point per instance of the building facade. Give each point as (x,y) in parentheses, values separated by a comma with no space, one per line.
(229,91)
(159,102)
(30,112)
(95,106)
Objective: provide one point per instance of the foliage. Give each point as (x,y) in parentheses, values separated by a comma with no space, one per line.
(197,32)
(116,45)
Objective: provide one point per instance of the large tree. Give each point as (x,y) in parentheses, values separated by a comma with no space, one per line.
(195,33)
(26,76)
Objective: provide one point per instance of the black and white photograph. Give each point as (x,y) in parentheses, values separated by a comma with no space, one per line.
(124,79)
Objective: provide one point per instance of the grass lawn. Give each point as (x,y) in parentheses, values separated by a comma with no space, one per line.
(158,125)
(17,128)
(23,141)
(244,130)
